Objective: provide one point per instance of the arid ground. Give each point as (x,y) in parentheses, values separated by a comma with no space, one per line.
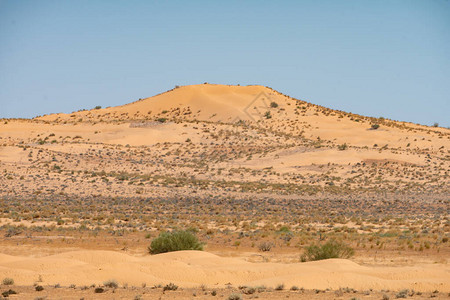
(83,194)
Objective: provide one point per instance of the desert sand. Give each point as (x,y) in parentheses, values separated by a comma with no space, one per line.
(82,195)
(195,268)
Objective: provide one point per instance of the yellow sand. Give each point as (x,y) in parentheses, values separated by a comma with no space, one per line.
(193,268)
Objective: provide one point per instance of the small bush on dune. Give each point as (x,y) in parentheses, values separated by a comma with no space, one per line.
(170,287)
(247,290)
(8,281)
(331,249)
(265,246)
(402,294)
(111,284)
(39,288)
(235,297)
(343,147)
(175,241)
(9,292)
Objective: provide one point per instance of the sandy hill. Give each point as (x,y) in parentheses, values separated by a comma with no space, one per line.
(203,102)
(263,107)
(226,134)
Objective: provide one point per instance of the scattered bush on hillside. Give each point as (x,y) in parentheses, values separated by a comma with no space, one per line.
(343,147)
(39,288)
(402,294)
(235,296)
(12,231)
(8,281)
(175,241)
(6,294)
(170,287)
(331,249)
(375,126)
(111,284)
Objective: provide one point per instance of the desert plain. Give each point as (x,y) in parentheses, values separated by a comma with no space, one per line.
(257,175)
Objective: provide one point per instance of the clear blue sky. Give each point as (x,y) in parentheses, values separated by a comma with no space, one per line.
(377,58)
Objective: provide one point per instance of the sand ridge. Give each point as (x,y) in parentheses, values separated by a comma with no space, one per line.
(194,268)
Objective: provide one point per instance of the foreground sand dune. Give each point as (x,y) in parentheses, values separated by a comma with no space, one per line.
(193,268)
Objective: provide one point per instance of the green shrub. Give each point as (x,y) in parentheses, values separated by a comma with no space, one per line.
(331,249)
(175,241)
(273,104)
(375,126)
